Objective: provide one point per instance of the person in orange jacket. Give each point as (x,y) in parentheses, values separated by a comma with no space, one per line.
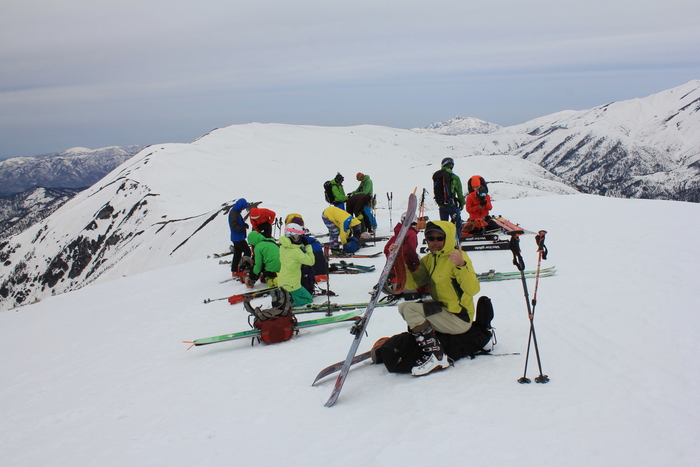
(478,206)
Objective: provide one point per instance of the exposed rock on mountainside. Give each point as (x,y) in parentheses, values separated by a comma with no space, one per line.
(22,210)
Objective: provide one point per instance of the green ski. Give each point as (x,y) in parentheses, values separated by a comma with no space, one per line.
(254,332)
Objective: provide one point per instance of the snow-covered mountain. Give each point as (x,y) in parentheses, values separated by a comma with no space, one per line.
(460,126)
(74,168)
(22,210)
(155,210)
(640,148)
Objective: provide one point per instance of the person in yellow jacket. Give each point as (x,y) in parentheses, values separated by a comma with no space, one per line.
(340,225)
(294,252)
(453,285)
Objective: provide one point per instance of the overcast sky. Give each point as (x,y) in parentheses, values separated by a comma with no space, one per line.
(98,73)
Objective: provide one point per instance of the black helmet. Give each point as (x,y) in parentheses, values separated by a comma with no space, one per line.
(448,162)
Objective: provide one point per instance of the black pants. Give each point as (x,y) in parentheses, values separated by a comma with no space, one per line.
(240,248)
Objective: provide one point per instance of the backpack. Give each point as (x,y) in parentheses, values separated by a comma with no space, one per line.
(442,188)
(328,191)
(400,352)
(276,324)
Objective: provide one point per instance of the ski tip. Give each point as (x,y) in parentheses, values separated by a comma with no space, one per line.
(515,232)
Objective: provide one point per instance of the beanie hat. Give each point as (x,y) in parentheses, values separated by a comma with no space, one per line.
(294,230)
(254,213)
(339,178)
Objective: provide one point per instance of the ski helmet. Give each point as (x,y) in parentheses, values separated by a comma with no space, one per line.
(448,162)
(294,231)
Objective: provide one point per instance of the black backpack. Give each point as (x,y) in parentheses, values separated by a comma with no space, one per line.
(442,188)
(328,189)
(400,352)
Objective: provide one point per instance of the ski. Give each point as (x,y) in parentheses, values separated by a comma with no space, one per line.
(499,276)
(355,255)
(329,370)
(497,245)
(360,326)
(331,307)
(348,268)
(254,332)
(477,238)
(507,225)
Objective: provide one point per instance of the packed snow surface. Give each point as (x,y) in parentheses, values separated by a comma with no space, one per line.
(100,376)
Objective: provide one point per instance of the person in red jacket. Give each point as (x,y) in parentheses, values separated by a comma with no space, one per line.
(262,220)
(478,206)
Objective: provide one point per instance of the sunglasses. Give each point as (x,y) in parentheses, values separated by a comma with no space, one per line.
(435,239)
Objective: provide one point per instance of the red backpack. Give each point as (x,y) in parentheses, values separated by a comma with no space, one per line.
(276,324)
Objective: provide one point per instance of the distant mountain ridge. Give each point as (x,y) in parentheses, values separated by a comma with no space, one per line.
(460,126)
(73,168)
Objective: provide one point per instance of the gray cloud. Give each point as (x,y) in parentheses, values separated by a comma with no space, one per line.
(153,71)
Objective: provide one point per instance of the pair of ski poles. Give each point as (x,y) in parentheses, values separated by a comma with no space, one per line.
(520,264)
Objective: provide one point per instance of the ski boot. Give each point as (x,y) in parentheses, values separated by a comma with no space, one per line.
(433,358)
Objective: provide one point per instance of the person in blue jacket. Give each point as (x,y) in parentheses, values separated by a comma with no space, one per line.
(236,223)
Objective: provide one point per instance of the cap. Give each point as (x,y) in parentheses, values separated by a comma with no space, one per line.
(433,228)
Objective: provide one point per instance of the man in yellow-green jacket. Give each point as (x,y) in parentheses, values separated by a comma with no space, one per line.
(453,285)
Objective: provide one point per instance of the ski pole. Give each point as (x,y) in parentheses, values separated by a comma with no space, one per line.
(390,198)
(532,337)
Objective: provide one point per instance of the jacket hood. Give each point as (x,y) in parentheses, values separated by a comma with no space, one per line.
(255,237)
(240,204)
(450,235)
(285,241)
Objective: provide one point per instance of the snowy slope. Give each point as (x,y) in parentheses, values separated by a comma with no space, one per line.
(163,206)
(100,376)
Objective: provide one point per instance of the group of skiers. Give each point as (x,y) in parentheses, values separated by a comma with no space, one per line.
(446,270)
(296,261)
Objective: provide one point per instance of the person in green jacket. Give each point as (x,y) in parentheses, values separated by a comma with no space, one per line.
(293,254)
(451,208)
(266,259)
(366,186)
(339,196)
(453,285)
